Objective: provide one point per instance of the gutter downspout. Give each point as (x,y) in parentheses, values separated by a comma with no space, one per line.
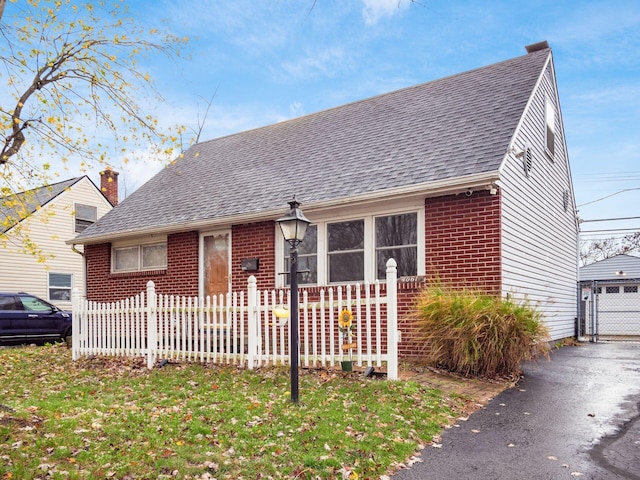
(84,267)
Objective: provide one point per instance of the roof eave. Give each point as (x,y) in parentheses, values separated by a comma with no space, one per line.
(438,188)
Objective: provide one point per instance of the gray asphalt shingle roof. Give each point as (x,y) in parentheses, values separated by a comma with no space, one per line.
(452,127)
(606,269)
(15,208)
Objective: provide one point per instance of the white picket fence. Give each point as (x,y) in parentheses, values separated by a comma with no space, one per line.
(242,328)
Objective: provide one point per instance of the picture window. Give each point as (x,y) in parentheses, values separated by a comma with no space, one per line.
(357,250)
(140,257)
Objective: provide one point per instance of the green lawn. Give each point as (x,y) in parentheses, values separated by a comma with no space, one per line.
(113,418)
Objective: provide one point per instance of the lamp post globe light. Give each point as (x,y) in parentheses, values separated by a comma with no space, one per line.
(294,227)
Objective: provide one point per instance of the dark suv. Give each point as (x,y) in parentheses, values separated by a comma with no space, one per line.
(26,318)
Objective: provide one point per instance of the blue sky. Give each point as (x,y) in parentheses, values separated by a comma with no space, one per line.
(271,60)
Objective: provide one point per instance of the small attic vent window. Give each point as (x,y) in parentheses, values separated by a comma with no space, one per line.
(527,160)
(550,128)
(565,199)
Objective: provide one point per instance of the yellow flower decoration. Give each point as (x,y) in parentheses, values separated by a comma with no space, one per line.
(345,320)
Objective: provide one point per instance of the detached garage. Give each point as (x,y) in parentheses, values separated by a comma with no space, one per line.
(610,298)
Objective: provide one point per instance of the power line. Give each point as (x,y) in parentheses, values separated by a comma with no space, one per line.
(608,219)
(612,231)
(608,196)
(608,177)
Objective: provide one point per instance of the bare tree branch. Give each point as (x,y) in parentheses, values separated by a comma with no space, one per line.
(72,74)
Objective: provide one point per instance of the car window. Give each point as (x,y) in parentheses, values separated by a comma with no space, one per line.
(9,303)
(35,304)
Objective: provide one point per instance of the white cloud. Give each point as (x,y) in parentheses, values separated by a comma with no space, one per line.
(296,109)
(374,10)
(325,63)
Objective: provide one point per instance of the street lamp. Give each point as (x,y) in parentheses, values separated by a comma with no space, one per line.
(294,226)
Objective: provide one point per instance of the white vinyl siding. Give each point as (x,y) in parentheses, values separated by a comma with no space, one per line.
(49,228)
(539,239)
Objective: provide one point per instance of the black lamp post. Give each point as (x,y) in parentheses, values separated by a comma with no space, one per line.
(294,226)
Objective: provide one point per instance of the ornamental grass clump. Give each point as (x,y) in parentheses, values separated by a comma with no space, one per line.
(473,333)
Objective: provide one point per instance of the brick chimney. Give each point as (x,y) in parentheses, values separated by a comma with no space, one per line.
(109,185)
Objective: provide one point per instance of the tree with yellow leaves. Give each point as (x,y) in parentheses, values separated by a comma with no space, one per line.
(73,91)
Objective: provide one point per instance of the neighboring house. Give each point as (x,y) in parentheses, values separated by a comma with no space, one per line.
(610,303)
(465,179)
(47,217)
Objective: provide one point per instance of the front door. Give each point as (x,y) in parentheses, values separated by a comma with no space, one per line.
(215,263)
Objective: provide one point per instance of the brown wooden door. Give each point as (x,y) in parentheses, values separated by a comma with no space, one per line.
(216,263)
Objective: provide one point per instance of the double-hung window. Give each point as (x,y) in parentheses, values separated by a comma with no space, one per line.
(307,257)
(86,215)
(345,251)
(140,257)
(397,238)
(60,286)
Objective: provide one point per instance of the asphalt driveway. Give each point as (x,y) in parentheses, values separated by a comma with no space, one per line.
(576,416)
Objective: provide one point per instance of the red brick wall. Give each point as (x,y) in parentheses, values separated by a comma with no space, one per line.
(408,347)
(462,238)
(462,242)
(256,240)
(179,278)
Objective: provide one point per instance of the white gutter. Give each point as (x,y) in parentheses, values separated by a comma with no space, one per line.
(432,189)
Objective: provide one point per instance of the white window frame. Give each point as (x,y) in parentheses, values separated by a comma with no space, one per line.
(57,287)
(549,125)
(370,267)
(140,246)
(77,217)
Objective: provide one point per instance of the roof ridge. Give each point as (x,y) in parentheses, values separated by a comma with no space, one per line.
(425,134)
(18,206)
(73,180)
(380,95)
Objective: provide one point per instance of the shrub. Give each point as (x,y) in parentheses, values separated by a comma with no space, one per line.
(473,333)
